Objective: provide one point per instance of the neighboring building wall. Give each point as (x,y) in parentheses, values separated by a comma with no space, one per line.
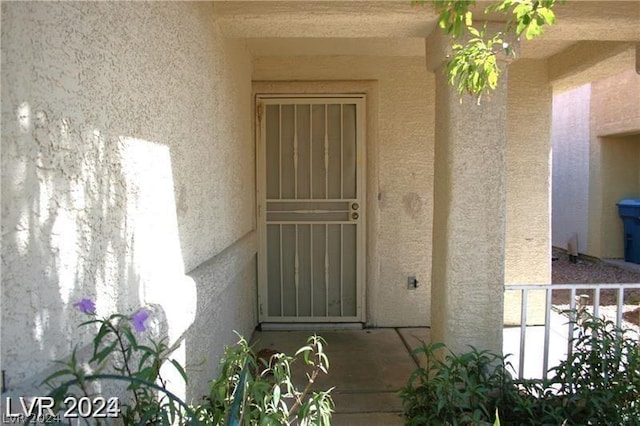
(127,162)
(618,179)
(596,162)
(570,189)
(615,133)
(400,174)
(615,106)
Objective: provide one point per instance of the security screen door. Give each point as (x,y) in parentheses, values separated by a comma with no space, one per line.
(311,208)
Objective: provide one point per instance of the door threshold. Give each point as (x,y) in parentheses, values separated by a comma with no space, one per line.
(289,326)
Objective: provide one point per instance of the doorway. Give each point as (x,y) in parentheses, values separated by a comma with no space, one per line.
(311,208)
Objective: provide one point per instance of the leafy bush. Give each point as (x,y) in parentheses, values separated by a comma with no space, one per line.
(457,390)
(249,390)
(118,352)
(599,383)
(253,390)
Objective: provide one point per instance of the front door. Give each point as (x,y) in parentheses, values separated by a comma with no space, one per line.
(311,208)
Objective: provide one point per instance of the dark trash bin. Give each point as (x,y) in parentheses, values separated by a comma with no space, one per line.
(629,211)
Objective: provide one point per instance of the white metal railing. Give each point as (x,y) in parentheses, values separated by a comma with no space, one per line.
(574,302)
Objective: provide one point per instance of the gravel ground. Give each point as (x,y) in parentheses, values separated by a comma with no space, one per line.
(595,272)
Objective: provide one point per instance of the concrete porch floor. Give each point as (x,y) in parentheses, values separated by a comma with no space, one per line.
(367,367)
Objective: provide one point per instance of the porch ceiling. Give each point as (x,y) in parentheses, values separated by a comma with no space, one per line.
(410,46)
(334,19)
(395,28)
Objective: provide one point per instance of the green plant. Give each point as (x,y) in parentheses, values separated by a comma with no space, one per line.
(599,383)
(252,390)
(118,352)
(474,67)
(249,390)
(454,389)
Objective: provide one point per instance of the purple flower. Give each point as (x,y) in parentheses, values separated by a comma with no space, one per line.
(86,305)
(138,319)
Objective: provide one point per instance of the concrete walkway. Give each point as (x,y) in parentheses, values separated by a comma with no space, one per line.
(366,367)
(534,346)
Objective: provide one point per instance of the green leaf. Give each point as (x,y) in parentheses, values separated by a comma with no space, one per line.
(533,30)
(276,394)
(102,332)
(474,32)
(306,348)
(57,374)
(178,367)
(143,359)
(548,15)
(93,321)
(468,19)
(444,19)
(129,335)
(104,352)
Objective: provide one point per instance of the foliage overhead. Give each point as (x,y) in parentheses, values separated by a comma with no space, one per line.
(474,67)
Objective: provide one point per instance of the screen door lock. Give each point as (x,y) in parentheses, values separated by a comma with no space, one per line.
(354,214)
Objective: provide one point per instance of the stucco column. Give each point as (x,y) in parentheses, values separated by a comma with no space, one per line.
(469,211)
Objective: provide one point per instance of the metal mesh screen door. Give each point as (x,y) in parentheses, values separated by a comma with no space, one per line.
(311,209)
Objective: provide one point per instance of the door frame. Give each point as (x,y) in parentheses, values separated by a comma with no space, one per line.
(261,99)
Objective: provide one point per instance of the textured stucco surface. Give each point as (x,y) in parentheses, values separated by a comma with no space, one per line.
(126,163)
(399,173)
(595,20)
(324,19)
(595,161)
(570,196)
(587,61)
(614,134)
(617,171)
(616,104)
(221,309)
(527,240)
(528,209)
(469,214)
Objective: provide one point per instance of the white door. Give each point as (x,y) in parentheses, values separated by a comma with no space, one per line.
(311,208)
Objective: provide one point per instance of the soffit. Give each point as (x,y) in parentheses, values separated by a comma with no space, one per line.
(395,28)
(333,19)
(410,46)
(541,48)
(577,20)
(597,20)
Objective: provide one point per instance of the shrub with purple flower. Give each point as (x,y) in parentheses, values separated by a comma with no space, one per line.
(238,395)
(138,319)
(86,305)
(117,349)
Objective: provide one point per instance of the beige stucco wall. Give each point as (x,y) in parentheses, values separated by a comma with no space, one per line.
(596,156)
(399,173)
(527,238)
(126,177)
(615,119)
(615,106)
(570,195)
(527,230)
(617,167)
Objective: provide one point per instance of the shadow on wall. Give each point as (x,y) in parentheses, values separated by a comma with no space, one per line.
(98,118)
(84,214)
(65,234)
